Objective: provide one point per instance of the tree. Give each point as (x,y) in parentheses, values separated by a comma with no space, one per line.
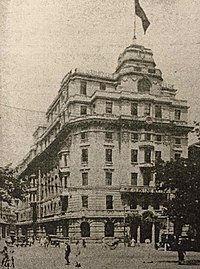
(10,185)
(181,180)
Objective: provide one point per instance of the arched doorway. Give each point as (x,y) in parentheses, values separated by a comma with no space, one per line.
(146,226)
(85,229)
(145,231)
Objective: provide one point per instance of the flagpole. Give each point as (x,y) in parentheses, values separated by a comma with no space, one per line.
(134,37)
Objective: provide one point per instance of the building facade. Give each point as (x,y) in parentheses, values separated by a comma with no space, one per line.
(91,166)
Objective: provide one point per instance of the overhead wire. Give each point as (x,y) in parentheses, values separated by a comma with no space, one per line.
(26,109)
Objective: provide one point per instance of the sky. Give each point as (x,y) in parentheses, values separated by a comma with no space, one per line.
(42,40)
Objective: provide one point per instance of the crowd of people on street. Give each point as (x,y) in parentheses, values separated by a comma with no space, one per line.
(75,252)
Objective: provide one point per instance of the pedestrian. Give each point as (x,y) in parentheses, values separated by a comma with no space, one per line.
(5,256)
(133,242)
(148,248)
(181,253)
(67,252)
(126,240)
(77,253)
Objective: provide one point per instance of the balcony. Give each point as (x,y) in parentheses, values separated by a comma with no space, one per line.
(147,164)
(65,169)
(138,189)
(146,144)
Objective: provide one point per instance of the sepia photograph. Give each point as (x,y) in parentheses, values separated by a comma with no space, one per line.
(99,134)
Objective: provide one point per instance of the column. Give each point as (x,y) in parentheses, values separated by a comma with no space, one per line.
(153,234)
(138,234)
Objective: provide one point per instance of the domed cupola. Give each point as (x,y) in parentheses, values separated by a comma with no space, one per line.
(137,60)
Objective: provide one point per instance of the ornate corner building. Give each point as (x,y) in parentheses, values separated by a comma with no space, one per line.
(91,167)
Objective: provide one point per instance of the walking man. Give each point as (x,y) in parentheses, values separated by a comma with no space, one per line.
(67,252)
(181,253)
(78,252)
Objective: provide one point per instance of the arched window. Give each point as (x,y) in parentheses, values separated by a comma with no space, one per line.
(109,229)
(85,229)
(144,85)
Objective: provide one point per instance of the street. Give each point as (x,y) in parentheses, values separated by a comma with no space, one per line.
(95,257)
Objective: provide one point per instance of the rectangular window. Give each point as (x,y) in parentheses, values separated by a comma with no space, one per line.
(83,88)
(109,202)
(108,136)
(108,178)
(147,110)
(102,86)
(158,112)
(84,156)
(109,107)
(84,136)
(148,137)
(134,156)
(147,156)
(83,110)
(158,138)
(108,155)
(85,178)
(134,109)
(65,159)
(177,156)
(147,177)
(65,181)
(177,141)
(85,201)
(134,137)
(158,155)
(134,179)
(64,203)
(177,114)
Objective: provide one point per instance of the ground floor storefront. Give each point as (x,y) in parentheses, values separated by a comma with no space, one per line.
(93,229)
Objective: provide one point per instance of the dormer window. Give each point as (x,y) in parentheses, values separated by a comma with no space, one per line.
(144,85)
(177,114)
(147,109)
(158,111)
(109,107)
(102,86)
(83,110)
(83,89)
(134,109)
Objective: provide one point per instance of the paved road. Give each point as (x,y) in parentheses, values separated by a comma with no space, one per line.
(95,257)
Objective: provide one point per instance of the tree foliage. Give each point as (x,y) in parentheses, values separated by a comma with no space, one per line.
(10,185)
(181,180)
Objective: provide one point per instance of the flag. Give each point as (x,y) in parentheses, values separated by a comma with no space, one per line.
(140,13)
